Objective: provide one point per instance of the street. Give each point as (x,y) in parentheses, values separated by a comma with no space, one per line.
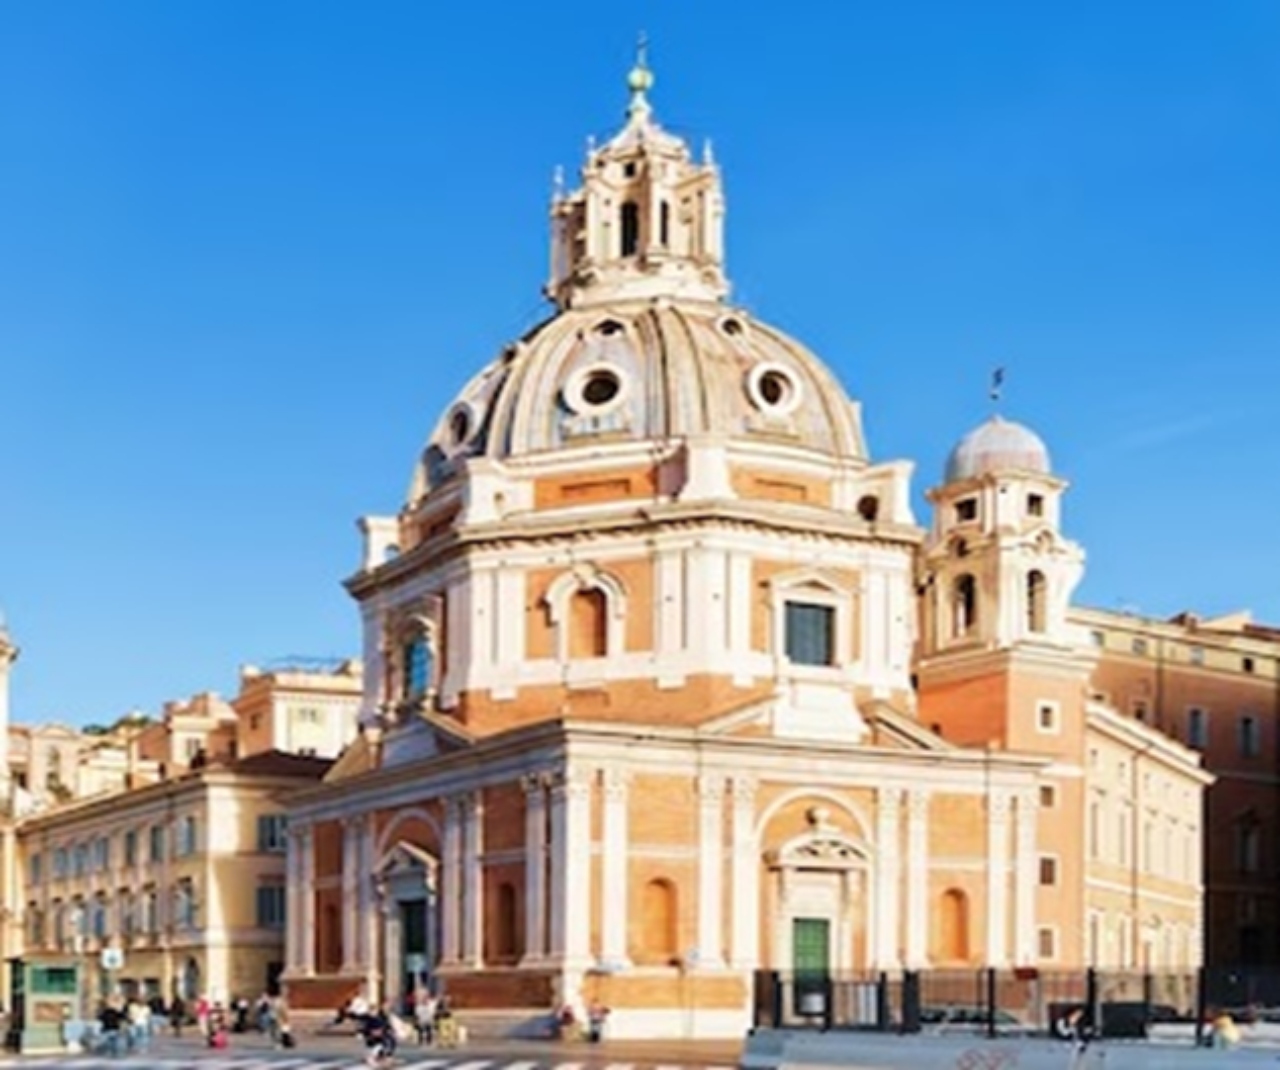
(341,1053)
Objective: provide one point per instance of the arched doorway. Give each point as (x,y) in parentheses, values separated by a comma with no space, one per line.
(406,880)
(821,889)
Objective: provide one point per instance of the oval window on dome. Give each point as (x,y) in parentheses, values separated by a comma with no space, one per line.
(774,389)
(595,389)
(460,427)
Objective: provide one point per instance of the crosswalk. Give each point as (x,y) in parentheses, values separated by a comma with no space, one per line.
(327,1061)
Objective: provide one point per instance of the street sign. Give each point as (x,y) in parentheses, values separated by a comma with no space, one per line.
(112,958)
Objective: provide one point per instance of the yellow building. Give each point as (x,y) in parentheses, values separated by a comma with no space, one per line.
(665,684)
(185,877)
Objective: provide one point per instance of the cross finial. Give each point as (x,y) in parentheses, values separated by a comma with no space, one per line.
(640,80)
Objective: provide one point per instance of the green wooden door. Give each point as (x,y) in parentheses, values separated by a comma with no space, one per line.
(811,945)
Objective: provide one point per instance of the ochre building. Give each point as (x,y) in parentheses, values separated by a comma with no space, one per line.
(665,683)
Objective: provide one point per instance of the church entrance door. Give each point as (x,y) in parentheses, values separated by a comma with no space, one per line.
(811,946)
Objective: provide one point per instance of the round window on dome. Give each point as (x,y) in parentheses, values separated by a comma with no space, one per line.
(774,389)
(595,390)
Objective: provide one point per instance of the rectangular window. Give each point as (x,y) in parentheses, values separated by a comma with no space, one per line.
(80,860)
(1095,829)
(1250,737)
(967,510)
(1035,505)
(1048,871)
(1246,664)
(1196,655)
(1139,645)
(184,837)
(1047,942)
(131,847)
(810,633)
(1047,717)
(1098,639)
(101,853)
(35,867)
(184,905)
(270,903)
(271,832)
(156,833)
(1197,727)
(1048,796)
(59,863)
(1140,710)
(1248,848)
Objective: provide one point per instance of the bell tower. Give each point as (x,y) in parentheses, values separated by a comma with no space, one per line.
(998,571)
(647,220)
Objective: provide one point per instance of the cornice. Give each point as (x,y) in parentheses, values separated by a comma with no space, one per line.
(813,524)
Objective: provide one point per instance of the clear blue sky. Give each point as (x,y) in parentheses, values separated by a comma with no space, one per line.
(248,250)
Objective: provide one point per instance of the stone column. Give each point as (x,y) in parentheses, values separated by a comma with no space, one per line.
(535,869)
(614,867)
(745,946)
(917,880)
(997,878)
(293,935)
(710,870)
(1025,880)
(473,879)
(451,895)
(307,881)
(571,869)
(363,955)
(351,831)
(887,954)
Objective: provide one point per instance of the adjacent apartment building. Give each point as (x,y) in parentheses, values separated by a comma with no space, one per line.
(184,876)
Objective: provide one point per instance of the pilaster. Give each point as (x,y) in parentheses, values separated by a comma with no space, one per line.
(352,831)
(570,936)
(997,878)
(307,890)
(917,880)
(535,868)
(614,865)
(710,870)
(745,947)
(473,879)
(887,953)
(1025,880)
(451,879)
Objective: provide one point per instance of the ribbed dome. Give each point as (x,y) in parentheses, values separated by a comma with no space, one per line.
(997,446)
(644,371)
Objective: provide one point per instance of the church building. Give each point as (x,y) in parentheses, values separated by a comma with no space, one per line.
(665,683)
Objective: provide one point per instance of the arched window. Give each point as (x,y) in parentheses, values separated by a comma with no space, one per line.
(953,926)
(659,922)
(589,624)
(664,225)
(630,228)
(1037,601)
(506,934)
(965,606)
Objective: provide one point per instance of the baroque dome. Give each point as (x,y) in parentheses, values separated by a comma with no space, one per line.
(644,345)
(998,445)
(645,371)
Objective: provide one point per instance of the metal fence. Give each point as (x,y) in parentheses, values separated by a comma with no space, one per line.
(1107,1003)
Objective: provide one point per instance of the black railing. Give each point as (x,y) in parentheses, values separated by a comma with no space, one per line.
(994,1003)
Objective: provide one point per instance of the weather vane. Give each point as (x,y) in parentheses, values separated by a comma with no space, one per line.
(997,385)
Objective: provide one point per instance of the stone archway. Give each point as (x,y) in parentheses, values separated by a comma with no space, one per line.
(822,888)
(406,879)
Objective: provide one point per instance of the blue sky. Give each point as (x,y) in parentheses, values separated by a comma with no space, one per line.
(248,250)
